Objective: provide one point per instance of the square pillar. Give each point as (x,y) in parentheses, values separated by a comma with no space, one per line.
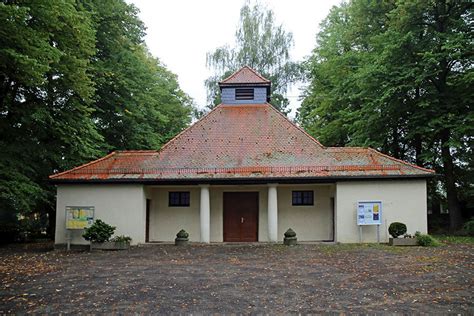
(272,213)
(205,214)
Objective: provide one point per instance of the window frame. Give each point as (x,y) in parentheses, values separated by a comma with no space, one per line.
(183,199)
(302,197)
(244,94)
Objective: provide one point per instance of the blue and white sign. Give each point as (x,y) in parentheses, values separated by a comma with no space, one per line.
(369,213)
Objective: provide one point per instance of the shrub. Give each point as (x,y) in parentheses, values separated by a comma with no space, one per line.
(290,233)
(426,240)
(99,232)
(469,227)
(182,234)
(121,238)
(397,229)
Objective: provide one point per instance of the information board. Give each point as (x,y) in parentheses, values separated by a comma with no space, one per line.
(369,213)
(79,217)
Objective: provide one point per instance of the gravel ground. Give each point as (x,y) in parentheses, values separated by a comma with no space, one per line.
(239,279)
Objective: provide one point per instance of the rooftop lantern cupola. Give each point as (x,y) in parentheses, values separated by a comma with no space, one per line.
(245,86)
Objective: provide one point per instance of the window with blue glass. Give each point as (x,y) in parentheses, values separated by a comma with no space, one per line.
(178,198)
(302,198)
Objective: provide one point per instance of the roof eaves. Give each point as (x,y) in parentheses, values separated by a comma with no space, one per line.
(245,84)
(54,176)
(246,180)
(401,161)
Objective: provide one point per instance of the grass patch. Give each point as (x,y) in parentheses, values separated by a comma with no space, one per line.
(426,240)
(391,249)
(449,239)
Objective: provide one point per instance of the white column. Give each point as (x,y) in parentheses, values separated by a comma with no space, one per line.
(205,214)
(272,213)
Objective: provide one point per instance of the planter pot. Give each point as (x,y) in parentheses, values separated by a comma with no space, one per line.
(402,242)
(290,241)
(110,245)
(181,241)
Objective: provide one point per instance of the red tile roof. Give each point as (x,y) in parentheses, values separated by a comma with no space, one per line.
(245,75)
(242,141)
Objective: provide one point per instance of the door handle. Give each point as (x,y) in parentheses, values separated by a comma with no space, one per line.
(241,220)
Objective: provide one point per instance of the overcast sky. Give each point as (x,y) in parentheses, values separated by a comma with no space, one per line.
(181,32)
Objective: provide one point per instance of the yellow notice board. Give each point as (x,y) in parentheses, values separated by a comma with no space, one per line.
(79,217)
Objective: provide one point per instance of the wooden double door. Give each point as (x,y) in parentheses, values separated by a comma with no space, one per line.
(240,216)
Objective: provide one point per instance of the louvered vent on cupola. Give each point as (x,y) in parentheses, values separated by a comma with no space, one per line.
(245,86)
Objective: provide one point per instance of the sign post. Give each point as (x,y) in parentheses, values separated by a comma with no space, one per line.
(77,218)
(369,213)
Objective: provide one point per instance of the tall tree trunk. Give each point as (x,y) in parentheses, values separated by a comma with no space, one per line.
(417,140)
(455,217)
(396,143)
(417,143)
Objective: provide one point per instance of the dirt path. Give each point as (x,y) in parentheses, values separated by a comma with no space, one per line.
(240,279)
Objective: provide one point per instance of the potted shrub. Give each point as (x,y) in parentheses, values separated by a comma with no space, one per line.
(397,229)
(182,238)
(290,238)
(99,235)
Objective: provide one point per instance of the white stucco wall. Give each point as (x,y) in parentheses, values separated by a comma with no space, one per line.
(119,205)
(310,222)
(166,221)
(124,206)
(402,201)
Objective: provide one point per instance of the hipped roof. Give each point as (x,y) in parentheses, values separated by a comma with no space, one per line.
(242,142)
(244,76)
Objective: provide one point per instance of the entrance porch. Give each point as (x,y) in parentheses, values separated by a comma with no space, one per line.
(239,213)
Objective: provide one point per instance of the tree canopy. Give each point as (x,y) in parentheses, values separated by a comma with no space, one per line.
(262,45)
(397,76)
(76,81)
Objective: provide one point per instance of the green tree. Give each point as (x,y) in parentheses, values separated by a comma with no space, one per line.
(262,45)
(76,81)
(138,102)
(45,95)
(396,75)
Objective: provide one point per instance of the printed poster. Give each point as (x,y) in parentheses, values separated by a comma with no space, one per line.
(369,213)
(79,217)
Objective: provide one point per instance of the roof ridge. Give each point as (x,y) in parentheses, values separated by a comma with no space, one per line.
(251,70)
(83,165)
(350,148)
(137,151)
(400,161)
(294,125)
